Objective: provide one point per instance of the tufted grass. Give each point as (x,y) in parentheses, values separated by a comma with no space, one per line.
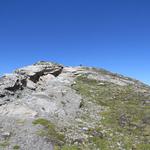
(49,131)
(16,147)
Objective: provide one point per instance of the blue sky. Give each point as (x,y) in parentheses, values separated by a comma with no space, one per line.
(112,34)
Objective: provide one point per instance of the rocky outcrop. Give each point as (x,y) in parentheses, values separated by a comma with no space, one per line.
(46,105)
(26,77)
(34,72)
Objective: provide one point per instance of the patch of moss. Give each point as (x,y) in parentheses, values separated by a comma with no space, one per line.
(49,131)
(4,144)
(16,147)
(100,143)
(143,146)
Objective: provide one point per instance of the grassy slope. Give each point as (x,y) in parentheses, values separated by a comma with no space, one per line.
(125,123)
(123,120)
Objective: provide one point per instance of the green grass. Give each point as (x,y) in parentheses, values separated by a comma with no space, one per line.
(143,146)
(50,131)
(4,144)
(16,147)
(119,101)
(67,147)
(100,143)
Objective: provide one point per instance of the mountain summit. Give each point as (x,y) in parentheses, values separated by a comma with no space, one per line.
(47,106)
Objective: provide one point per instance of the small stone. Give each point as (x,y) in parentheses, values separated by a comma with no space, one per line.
(85,129)
(97,134)
(118,144)
(101,83)
(6,135)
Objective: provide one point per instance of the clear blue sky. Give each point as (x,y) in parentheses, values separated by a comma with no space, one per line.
(112,34)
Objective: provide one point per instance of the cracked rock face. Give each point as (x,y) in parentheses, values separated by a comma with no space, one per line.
(39,69)
(46,106)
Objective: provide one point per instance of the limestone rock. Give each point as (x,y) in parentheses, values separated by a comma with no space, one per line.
(31,85)
(34,72)
(47,104)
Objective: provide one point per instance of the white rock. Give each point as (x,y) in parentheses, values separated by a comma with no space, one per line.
(31,85)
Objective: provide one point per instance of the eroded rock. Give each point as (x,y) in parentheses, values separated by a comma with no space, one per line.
(34,72)
(47,90)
